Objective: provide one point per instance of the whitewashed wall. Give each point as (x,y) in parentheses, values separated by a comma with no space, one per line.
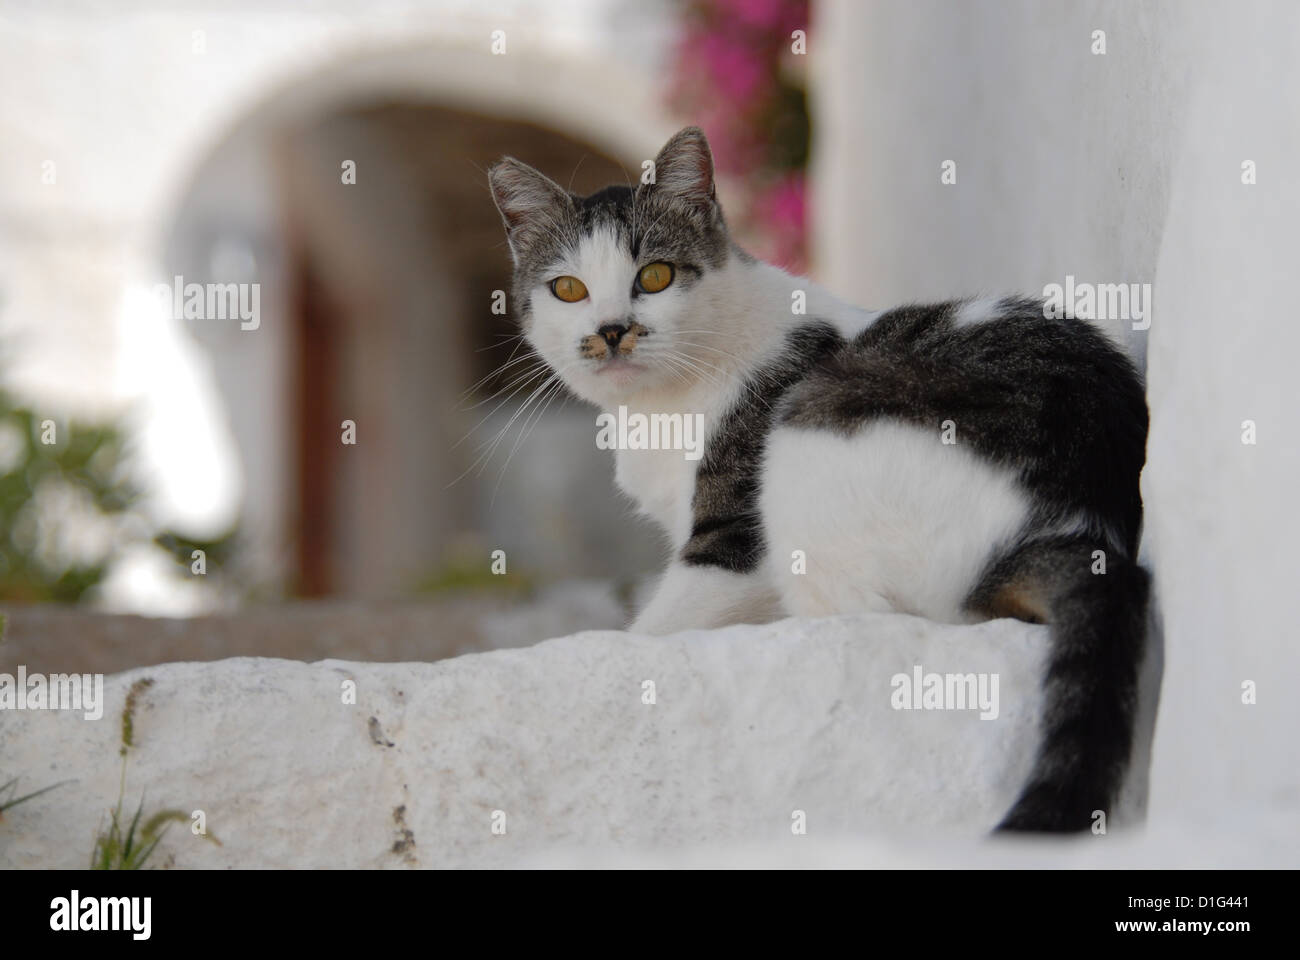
(1115,168)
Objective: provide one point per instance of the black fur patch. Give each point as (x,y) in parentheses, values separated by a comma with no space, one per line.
(727,531)
(1051,399)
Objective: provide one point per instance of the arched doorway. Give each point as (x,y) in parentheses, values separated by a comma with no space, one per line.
(377,290)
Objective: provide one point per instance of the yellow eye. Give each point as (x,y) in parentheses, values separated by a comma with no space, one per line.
(569,289)
(655,277)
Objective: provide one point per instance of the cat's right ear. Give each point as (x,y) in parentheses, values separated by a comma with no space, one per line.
(684,170)
(527,199)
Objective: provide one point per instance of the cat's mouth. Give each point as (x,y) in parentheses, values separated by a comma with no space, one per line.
(619,368)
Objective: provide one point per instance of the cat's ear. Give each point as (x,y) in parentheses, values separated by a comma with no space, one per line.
(527,199)
(684,169)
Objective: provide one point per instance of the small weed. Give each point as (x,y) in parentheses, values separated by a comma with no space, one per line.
(128,845)
(128,712)
(10,787)
(130,848)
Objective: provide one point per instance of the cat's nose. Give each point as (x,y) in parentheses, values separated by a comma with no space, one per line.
(612,333)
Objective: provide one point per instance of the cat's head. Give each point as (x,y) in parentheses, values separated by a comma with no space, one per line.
(612,290)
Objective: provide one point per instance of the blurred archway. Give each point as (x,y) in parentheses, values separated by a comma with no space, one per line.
(364,216)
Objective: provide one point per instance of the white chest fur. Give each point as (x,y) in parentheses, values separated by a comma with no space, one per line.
(662,483)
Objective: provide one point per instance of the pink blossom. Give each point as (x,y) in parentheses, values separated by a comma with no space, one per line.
(737,69)
(786,203)
(756,13)
(775,17)
(727,78)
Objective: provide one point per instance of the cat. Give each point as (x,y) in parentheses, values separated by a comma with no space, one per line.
(960,461)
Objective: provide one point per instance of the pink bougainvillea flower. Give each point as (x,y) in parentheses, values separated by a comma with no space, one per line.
(764,14)
(786,203)
(780,215)
(737,69)
(773,16)
(728,79)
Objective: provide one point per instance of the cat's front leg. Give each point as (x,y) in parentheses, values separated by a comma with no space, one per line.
(691,596)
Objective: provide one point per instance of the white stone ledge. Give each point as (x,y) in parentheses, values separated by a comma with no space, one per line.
(750,724)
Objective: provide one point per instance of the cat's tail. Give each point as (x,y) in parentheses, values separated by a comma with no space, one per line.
(1095,601)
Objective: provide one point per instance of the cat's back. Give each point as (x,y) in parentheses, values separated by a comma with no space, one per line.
(1052,399)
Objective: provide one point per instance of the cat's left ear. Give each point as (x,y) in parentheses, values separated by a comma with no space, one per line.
(684,169)
(527,199)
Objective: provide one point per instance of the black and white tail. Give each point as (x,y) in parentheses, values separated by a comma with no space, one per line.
(1098,636)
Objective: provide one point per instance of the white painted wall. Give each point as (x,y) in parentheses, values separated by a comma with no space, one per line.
(1122,167)
(1223,516)
(1062,156)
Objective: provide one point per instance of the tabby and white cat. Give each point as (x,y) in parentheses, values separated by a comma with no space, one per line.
(825,434)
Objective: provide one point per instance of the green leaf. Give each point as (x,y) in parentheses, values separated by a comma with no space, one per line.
(12,785)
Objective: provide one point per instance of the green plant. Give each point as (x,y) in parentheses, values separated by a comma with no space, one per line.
(129,849)
(10,787)
(54,478)
(129,845)
(463,575)
(128,712)
(58,480)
